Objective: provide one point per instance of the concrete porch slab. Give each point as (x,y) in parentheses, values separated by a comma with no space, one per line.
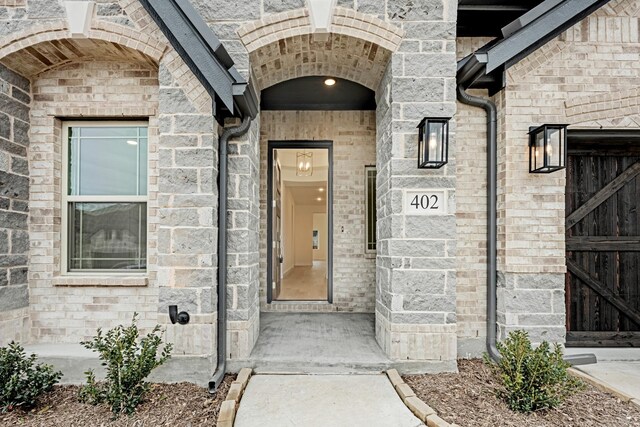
(322,400)
(621,376)
(318,343)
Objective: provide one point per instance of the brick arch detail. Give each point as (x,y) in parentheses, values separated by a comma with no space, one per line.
(348,22)
(609,109)
(105,31)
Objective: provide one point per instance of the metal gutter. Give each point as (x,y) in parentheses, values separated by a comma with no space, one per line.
(218,375)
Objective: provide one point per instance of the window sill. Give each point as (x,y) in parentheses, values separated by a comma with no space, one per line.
(102,280)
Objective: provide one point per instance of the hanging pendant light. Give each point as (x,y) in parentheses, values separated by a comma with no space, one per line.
(304,163)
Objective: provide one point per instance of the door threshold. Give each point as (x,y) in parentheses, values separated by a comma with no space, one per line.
(301,301)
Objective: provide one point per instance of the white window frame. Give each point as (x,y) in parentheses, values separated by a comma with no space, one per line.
(66,198)
(368,168)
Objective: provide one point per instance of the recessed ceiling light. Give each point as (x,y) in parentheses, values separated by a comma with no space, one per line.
(132,142)
(330,82)
(319,199)
(321,189)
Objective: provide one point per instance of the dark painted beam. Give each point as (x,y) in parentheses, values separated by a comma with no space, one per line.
(527,34)
(205,56)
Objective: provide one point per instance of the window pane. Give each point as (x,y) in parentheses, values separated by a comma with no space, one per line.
(108,161)
(107,236)
(370,181)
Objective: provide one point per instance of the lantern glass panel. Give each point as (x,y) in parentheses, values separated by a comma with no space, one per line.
(435,140)
(538,151)
(553,151)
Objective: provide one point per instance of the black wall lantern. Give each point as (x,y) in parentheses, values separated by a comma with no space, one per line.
(547,148)
(433,143)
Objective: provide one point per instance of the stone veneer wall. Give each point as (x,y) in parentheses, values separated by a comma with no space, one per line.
(353,136)
(416,277)
(15,96)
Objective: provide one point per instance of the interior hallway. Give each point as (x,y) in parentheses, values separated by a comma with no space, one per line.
(305,283)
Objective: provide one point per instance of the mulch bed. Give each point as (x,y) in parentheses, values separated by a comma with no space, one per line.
(468,399)
(182,404)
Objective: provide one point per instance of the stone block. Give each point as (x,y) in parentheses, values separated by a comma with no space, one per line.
(243,376)
(178,180)
(12,297)
(18,276)
(14,108)
(5,126)
(4,241)
(235,392)
(185,298)
(523,301)
(404,391)
(20,166)
(405,89)
(192,240)
(435,421)
(174,101)
(430,227)
(187,123)
(14,78)
(227,414)
(415,10)
(394,377)
(411,283)
(19,242)
(419,408)
(14,186)
(228,10)
(194,157)
(109,9)
(21,132)
(420,302)
(13,220)
(46,9)
(371,7)
(275,6)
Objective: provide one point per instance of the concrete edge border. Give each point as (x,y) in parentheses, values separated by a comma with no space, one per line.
(603,386)
(229,407)
(420,409)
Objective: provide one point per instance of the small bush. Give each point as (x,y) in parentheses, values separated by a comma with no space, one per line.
(22,380)
(532,379)
(128,360)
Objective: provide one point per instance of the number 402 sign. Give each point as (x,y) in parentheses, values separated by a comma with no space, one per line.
(425,202)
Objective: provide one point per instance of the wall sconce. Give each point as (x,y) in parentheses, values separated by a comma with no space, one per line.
(304,162)
(433,143)
(547,148)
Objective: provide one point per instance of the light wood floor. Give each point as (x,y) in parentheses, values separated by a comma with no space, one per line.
(305,283)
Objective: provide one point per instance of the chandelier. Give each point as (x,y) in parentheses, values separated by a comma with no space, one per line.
(304,162)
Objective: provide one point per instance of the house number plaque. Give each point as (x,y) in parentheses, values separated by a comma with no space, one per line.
(425,202)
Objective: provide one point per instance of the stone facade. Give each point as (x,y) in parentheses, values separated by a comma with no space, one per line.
(427,284)
(15,97)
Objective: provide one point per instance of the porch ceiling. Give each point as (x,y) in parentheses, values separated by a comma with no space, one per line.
(482,18)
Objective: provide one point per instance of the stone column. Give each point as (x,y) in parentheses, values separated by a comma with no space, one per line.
(187,218)
(243,257)
(15,97)
(416,288)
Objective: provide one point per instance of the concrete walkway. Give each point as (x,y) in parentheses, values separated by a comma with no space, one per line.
(617,367)
(322,400)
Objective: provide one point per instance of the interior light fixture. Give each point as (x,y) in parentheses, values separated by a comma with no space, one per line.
(304,163)
(132,142)
(319,199)
(330,82)
(321,189)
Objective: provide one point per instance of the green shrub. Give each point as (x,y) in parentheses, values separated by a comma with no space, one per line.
(22,380)
(128,360)
(532,379)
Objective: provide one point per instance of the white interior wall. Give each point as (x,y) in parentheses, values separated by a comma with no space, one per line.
(320,223)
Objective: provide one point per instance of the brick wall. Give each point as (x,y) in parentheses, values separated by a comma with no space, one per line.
(70,308)
(15,96)
(353,135)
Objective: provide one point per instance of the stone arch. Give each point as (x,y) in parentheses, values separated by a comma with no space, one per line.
(47,46)
(284,46)
(297,22)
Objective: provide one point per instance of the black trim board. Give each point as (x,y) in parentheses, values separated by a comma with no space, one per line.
(299,144)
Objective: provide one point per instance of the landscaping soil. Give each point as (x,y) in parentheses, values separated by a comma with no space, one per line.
(182,404)
(468,399)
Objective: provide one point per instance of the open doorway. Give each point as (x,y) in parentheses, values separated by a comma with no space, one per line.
(299,238)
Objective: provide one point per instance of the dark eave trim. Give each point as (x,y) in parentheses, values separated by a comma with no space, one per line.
(545,23)
(204,54)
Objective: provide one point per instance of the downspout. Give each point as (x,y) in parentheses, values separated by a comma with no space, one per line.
(218,375)
(492,229)
(492,213)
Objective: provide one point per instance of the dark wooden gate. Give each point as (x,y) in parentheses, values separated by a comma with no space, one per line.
(603,239)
